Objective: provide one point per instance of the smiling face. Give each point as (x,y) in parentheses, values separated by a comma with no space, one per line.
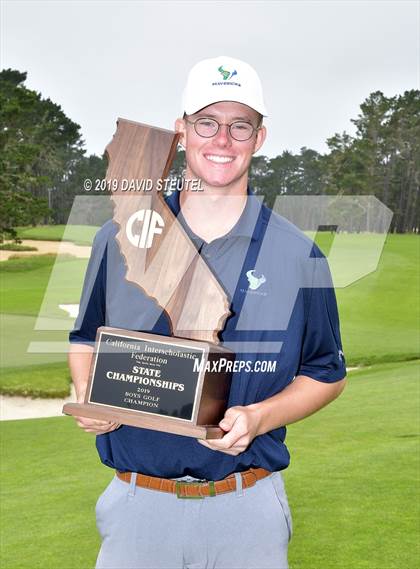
(221,161)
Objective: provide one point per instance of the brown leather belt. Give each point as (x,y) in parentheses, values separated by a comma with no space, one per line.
(196,489)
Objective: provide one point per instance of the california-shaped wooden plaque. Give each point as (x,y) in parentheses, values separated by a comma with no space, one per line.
(164,263)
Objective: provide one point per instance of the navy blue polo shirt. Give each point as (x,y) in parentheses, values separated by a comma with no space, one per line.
(283,315)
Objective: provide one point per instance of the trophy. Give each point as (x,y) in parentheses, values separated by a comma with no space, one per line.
(180,383)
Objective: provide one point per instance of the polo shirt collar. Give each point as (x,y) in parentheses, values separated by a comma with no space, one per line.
(248,225)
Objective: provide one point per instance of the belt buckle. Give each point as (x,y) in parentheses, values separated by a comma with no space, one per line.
(179,485)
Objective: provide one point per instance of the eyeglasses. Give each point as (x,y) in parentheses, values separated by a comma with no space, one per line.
(238,130)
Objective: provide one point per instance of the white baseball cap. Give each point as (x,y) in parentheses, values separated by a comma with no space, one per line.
(222,79)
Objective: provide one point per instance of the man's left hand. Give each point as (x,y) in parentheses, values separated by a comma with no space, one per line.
(241,425)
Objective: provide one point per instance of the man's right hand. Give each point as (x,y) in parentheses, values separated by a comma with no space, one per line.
(80,357)
(94,426)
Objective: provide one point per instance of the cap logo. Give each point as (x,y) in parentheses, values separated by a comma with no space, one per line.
(227,74)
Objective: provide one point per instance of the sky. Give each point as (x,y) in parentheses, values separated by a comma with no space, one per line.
(317,60)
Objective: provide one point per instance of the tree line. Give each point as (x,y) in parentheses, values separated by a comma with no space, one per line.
(43,162)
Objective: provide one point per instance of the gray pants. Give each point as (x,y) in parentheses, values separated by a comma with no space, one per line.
(146,529)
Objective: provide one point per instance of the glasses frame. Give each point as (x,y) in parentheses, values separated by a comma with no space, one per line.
(219,124)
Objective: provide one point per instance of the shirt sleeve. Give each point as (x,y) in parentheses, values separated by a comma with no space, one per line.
(322,355)
(92,311)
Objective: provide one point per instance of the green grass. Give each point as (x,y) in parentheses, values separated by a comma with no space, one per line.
(353,479)
(17,334)
(79,234)
(24,283)
(42,380)
(352,483)
(16,264)
(16,247)
(23,297)
(380,313)
(51,478)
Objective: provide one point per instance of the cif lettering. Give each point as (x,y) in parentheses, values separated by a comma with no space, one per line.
(152,223)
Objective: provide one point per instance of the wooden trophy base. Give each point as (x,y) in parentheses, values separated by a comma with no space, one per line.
(145,421)
(157,382)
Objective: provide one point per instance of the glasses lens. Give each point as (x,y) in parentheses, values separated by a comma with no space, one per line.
(206,127)
(241,130)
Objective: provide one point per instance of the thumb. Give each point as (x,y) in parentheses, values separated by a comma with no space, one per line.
(228,420)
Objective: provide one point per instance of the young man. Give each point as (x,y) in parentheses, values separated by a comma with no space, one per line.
(283,311)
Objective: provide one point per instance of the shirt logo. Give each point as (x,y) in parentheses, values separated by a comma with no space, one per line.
(255,282)
(152,225)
